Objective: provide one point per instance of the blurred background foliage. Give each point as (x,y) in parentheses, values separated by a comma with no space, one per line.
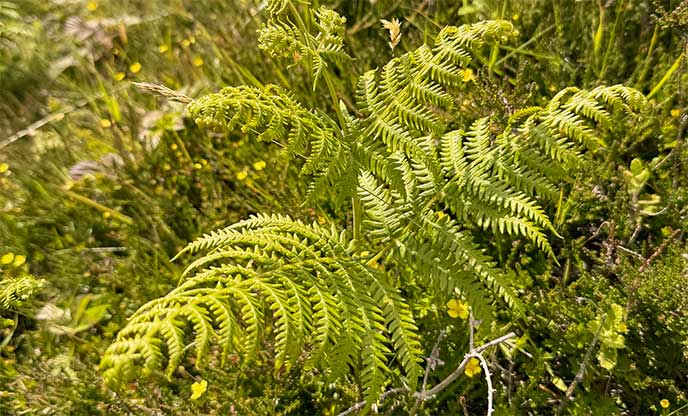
(101,184)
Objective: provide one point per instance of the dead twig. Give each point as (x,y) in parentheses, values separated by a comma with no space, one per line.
(424,394)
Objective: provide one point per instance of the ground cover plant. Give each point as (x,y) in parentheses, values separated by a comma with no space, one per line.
(399,207)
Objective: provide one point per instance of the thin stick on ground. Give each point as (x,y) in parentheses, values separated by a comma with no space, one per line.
(581,370)
(431,363)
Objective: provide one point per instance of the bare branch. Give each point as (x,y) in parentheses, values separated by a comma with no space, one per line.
(581,369)
(432,360)
(459,370)
(488,379)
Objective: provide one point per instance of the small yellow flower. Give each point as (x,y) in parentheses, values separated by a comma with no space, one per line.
(106,215)
(197,389)
(4,167)
(457,309)
(468,75)
(242,175)
(163,48)
(515,17)
(135,67)
(197,166)
(440,214)
(19,260)
(174,146)
(473,367)
(7,258)
(105,123)
(118,76)
(91,6)
(394,28)
(675,113)
(259,165)
(664,403)
(186,43)
(198,61)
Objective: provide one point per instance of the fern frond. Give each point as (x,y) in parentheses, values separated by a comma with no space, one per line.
(304,279)
(16,291)
(282,39)
(427,194)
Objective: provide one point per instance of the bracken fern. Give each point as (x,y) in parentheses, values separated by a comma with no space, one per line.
(425,190)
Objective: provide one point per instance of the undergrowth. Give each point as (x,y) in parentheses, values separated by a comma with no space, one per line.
(453,174)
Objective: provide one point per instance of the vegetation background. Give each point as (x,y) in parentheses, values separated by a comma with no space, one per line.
(101,184)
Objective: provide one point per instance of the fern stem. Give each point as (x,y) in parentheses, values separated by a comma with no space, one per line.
(335,101)
(357,213)
(304,30)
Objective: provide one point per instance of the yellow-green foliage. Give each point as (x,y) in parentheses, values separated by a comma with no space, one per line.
(15,291)
(424,190)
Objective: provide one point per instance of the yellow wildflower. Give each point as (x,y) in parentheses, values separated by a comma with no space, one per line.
(106,215)
(135,67)
(440,214)
(664,403)
(457,309)
(260,165)
(105,123)
(118,76)
(19,260)
(186,43)
(163,48)
(4,167)
(242,175)
(197,389)
(473,367)
(174,146)
(7,258)
(468,75)
(675,113)
(197,166)
(394,28)
(198,61)
(91,6)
